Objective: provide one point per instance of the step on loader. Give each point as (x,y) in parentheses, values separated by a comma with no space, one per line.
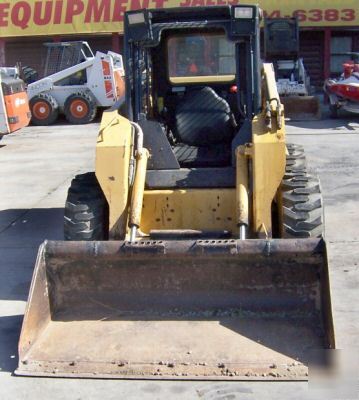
(195,250)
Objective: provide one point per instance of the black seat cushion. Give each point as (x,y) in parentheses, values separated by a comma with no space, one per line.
(222,177)
(205,156)
(203,118)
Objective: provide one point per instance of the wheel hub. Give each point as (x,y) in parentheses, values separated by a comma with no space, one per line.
(41,110)
(79,108)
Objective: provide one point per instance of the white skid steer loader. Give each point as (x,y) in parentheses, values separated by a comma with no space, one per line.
(81,82)
(281,47)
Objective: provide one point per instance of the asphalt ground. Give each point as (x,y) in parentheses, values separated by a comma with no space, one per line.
(36,167)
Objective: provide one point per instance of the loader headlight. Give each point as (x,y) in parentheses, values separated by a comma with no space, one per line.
(136,18)
(243,12)
(138,25)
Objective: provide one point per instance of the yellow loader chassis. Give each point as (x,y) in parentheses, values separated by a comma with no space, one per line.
(266,153)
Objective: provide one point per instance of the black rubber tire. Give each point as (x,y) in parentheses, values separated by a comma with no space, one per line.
(88,101)
(301,199)
(29,74)
(333,111)
(86,210)
(48,101)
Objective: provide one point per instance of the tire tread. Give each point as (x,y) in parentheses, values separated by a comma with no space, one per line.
(86,210)
(301,198)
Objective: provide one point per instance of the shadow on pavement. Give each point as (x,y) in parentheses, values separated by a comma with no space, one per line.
(9,336)
(326,123)
(21,228)
(62,121)
(21,233)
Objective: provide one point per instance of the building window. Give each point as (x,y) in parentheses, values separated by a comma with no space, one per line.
(339,46)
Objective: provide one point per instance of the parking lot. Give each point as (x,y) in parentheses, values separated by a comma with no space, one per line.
(36,167)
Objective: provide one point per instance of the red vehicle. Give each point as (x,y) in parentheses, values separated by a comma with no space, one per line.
(343,92)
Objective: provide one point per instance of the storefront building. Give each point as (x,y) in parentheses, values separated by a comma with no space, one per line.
(328,27)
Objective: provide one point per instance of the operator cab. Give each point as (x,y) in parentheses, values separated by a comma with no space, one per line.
(194,96)
(192,86)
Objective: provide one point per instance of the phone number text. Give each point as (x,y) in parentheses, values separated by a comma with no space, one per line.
(317,15)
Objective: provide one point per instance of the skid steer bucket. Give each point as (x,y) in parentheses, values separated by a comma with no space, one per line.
(204,309)
(301,108)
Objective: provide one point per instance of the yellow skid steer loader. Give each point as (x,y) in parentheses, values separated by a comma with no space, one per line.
(195,250)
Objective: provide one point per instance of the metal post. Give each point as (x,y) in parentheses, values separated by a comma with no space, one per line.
(2,53)
(327,56)
(116,43)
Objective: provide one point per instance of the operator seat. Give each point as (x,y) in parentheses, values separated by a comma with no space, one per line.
(203,127)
